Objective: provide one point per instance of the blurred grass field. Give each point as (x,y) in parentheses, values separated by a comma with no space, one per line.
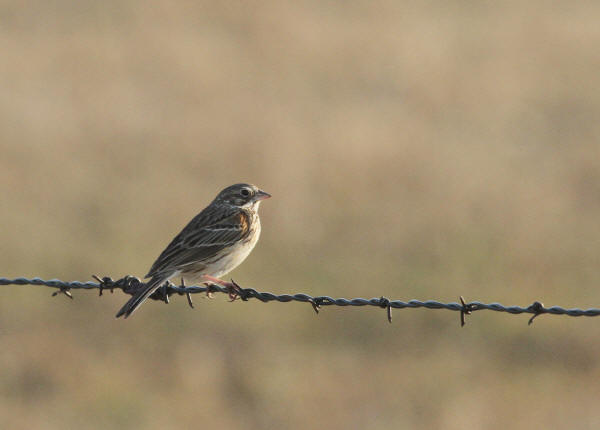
(414,150)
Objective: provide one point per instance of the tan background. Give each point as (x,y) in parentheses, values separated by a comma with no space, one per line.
(413,149)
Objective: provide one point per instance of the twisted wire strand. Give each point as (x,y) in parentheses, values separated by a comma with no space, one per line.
(130,284)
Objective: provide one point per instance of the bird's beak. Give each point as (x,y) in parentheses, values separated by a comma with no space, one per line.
(261,195)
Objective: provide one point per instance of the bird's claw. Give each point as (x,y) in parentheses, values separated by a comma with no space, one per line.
(209,293)
(235,291)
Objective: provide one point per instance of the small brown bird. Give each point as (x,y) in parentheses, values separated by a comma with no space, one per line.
(214,242)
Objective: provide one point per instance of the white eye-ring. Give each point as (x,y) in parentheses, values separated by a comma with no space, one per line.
(245,192)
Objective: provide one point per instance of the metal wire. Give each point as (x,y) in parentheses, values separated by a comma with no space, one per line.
(130,284)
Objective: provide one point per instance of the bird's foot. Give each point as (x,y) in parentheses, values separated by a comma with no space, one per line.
(209,294)
(234,290)
(212,280)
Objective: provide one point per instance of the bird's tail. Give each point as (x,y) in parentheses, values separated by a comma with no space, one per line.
(138,298)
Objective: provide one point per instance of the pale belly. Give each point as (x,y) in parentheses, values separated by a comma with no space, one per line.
(227,263)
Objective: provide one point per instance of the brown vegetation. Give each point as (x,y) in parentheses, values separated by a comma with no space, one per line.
(422,150)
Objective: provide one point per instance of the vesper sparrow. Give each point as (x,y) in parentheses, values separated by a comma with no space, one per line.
(214,242)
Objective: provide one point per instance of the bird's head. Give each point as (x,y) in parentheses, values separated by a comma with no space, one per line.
(246,196)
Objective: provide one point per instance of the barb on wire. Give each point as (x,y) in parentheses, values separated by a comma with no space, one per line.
(131,284)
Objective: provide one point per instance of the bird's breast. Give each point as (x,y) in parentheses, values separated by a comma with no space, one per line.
(231,257)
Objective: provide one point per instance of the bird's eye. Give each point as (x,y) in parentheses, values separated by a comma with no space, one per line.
(245,192)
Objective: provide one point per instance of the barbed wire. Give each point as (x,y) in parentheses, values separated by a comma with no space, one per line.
(131,284)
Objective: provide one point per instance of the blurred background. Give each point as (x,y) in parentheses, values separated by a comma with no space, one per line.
(413,149)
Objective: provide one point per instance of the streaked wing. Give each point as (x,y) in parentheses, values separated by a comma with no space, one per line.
(204,237)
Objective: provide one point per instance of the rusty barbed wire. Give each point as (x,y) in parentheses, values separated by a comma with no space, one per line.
(130,284)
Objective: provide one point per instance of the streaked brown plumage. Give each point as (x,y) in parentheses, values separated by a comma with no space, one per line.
(214,242)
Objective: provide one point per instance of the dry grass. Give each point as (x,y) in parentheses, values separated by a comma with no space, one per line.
(420,150)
